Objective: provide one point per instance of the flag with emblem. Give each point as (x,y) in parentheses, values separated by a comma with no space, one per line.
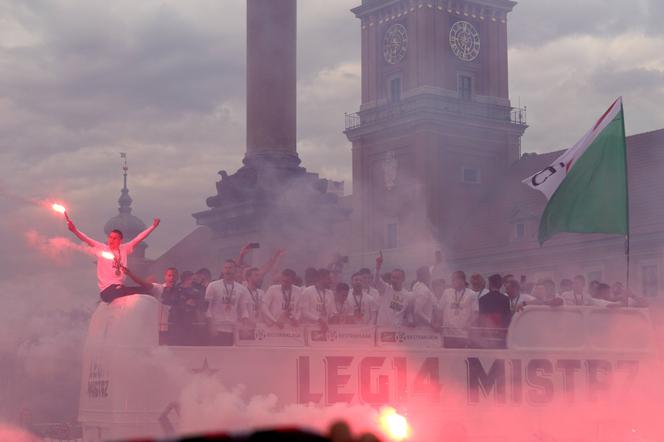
(586,186)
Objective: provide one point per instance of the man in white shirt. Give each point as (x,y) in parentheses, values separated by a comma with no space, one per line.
(112,259)
(368,283)
(227,305)
(163,292)
(394,299)
(578,295)
(254,304)
(158,289)
(517,299)
(422,299)
(281,303)
(363,300)
(460,308)
(478,284)
(316,300)
(339,308)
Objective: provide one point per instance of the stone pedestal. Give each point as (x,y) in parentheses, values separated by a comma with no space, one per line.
(271,199)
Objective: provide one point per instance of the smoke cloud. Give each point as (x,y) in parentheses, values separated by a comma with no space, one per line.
(59,248)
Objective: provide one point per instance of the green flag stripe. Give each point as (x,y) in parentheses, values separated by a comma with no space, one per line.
(593,196)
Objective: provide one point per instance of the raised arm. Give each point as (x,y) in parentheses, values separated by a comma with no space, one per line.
(272,262)
(147,285)
(239,261)
(144,234)
(378,281)
(80,235)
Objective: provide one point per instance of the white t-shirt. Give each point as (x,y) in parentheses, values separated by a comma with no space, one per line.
(584,299)
(279,303)
(482,292)
(227,304)
(459,310)
(254,304)
(316,303)
(422,304)
(520,301)
(363,306)
(108,270)
(341,310)
(392,307)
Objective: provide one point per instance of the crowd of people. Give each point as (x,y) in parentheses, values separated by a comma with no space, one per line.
(200,310)
(464,310)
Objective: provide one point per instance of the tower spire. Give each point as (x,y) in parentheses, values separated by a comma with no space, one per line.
(124,200)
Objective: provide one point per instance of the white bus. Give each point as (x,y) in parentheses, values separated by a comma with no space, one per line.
(564,358)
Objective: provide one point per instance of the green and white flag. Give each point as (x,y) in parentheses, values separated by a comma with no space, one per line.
(587,185)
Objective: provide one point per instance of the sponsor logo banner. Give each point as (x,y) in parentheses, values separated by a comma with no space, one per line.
(407,337)
(263,335)
(341,336)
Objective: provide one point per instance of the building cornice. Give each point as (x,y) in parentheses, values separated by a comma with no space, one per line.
(373,13)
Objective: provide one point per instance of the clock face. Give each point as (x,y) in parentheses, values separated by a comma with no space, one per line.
(395,43)
(465,41)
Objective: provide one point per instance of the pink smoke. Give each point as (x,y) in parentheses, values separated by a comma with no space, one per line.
(57,248)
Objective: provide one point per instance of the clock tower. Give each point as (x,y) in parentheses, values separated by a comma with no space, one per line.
(436,128)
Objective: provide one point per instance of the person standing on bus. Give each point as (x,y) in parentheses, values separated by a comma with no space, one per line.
(494,307)
(394,300)
(281,303)
(254,304)
(225,297)
(316,300)
(422,312)
(459,307)
(362,300)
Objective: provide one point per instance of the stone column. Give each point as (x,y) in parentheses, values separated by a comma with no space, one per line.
(271,82)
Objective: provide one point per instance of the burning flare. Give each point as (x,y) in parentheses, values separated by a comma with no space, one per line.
(59,208)
(393,425)
(107,255)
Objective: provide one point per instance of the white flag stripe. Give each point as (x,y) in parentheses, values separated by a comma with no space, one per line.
(548,179)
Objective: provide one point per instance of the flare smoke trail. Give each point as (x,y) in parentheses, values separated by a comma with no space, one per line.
(55,247)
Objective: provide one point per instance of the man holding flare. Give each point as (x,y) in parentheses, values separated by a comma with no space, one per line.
(111,258)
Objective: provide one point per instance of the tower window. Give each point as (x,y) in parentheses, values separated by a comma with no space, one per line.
(395,89)
(392,236)
(520,230)
(465,87)
(471,175)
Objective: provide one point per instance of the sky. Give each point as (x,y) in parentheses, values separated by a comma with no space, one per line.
(81,81)
(164,81)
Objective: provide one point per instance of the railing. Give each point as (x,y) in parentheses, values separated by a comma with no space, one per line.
(350,335)
(518,115)
(457,107)
(352,120)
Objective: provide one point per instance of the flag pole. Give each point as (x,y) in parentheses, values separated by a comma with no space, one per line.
(627,236)
(627,259)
